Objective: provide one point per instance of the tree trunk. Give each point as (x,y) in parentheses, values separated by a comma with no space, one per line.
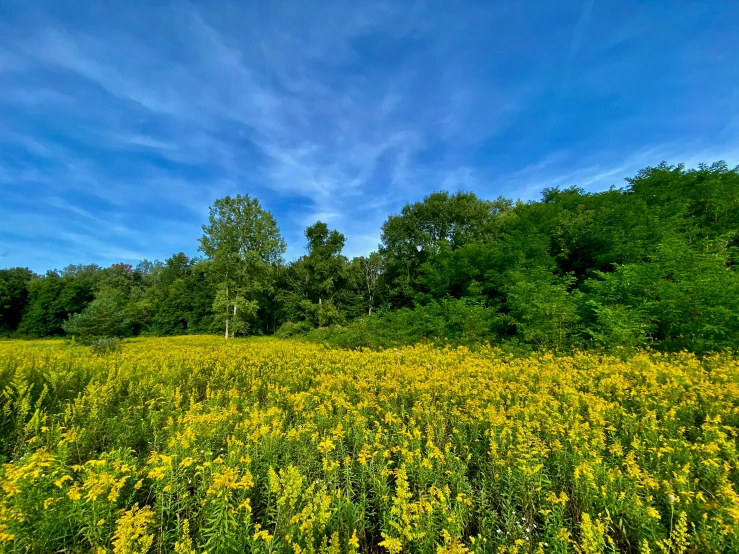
(227,306)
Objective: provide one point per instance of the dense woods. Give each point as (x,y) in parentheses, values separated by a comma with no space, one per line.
(651,264)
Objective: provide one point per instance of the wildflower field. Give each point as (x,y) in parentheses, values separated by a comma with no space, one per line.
(196,444)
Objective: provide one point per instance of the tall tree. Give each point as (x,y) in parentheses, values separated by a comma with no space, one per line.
(314,280)
(441,222)
(371,272)
(243,244)
(324,261)
(54,296)
(13,297)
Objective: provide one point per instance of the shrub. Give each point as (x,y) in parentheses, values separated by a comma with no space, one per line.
(447,321)
(290,329)
(105,345)
(103,317)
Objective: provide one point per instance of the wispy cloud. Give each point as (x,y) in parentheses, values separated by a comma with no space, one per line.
(580,29)
(120,125)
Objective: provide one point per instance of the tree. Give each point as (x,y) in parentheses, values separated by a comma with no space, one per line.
(542,308)
(702,202)
(423,230)
(166,297)
(103,317)
(324,261)
(243,245)
(685,296)
(13,297)
(314,280)
(372,267)
(53,297)
(655,263)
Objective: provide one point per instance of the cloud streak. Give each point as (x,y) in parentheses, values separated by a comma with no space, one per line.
(120,125)
(580,29)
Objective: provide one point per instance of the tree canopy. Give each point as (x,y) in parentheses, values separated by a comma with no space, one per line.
(653,263)
(243,245)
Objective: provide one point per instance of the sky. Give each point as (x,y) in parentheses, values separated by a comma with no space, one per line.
(122,121)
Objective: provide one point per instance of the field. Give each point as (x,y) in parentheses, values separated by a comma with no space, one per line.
(197,444)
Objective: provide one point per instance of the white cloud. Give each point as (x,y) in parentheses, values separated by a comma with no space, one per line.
(340,111)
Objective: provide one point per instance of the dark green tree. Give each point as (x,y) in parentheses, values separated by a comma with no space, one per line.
(325,266)
(52,297)
(684,296)
(543,309)
(316,283)
(105,317)
(14,292)
(441,222)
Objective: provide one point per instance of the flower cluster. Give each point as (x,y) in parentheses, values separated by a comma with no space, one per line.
(196,444)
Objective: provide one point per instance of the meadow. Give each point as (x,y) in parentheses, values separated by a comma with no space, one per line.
(198,444)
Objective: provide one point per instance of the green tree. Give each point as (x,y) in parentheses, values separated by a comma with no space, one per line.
(325,267)
(543,309)
(170,297)
(105,316)
(701,202)
(684,296)
(423,230)
(13,297)
(371,269)
(243,245)
(52,297)
(315,284)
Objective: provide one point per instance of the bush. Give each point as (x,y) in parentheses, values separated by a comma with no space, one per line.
(543,310)
(618,326)
(290,329)
(103,317)
(104,345)
(446,321)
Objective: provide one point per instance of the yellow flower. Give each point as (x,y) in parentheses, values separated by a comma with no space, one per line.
(392,544)
(407,424)
(263,535)
(131,536)
(354,540)
(326,446)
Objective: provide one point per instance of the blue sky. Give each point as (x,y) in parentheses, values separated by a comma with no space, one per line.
(121,121)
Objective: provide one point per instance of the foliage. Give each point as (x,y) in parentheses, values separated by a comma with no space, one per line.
(422,230)
(324,261)
(543,309)
(243,244)
(289,329)
(655,263)
(443,321)
(103,317)
(313,281)
(195,444)
(371,270)
(684,297)
(13,297)
(104,345)
(53,297)
(178,297)
(236,311)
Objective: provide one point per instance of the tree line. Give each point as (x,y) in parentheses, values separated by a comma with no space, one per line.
(651,264)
